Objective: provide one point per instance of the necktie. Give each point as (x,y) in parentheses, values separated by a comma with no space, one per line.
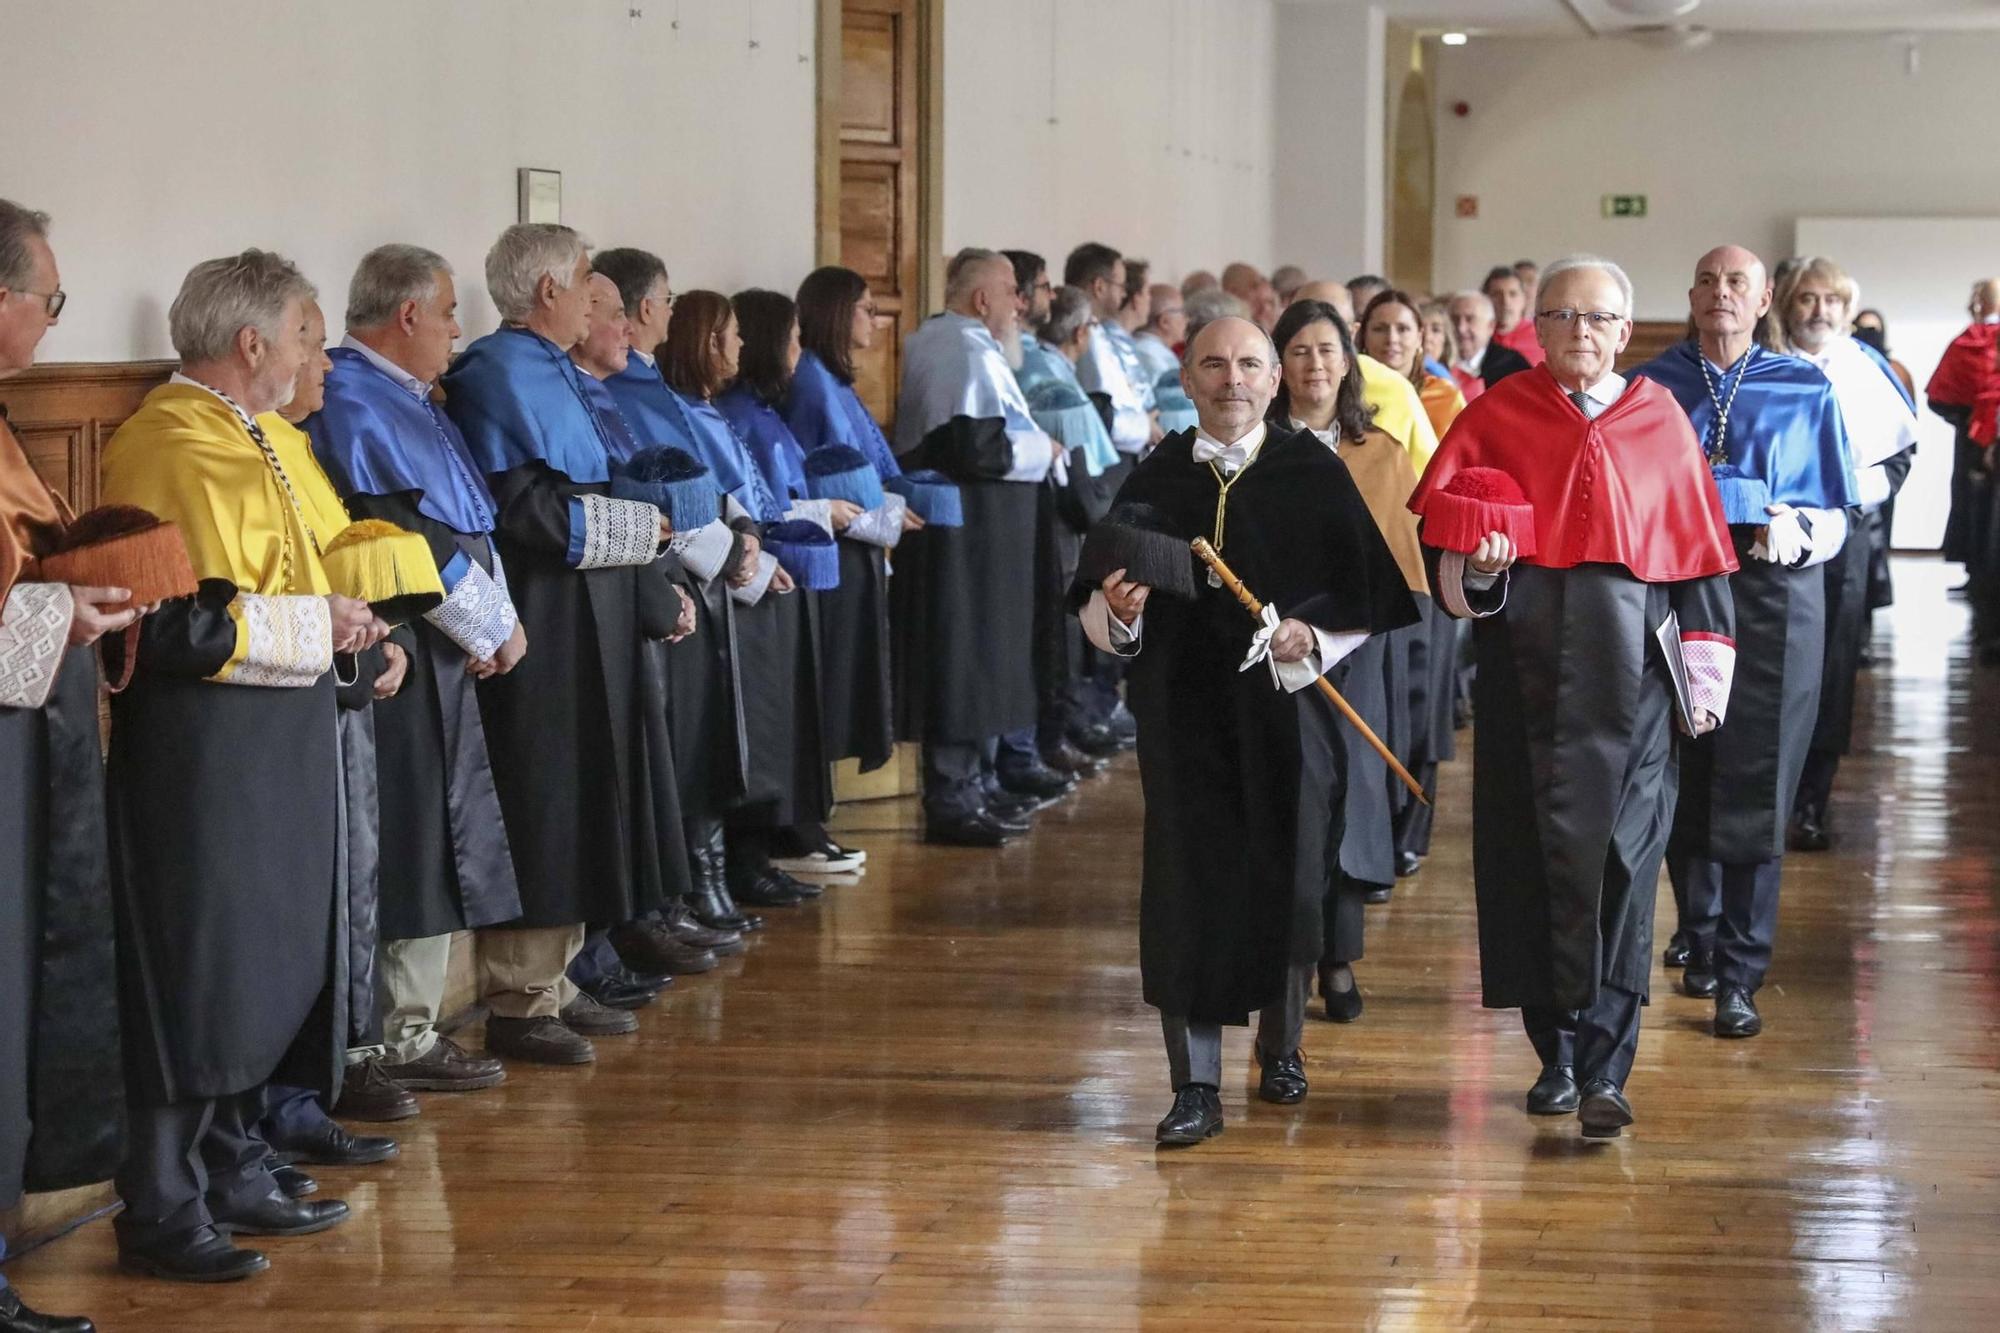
(1582,401)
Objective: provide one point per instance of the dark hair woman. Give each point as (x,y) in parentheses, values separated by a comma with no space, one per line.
(1392,331)
(1320,390)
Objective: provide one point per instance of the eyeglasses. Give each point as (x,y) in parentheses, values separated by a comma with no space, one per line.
(54,300)
(1603,320)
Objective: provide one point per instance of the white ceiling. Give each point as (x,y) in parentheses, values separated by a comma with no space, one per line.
(1583,17)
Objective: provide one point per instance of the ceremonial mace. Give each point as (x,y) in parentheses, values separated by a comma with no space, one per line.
(1256,608)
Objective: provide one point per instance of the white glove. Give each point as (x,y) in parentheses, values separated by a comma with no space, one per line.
(1784,541)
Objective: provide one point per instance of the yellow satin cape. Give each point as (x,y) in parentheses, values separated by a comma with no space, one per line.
(1399,413)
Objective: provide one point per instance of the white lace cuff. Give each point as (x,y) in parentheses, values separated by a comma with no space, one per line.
(818,512)
(281,642)
(477,614)
(1711,668)
(704,551)
(881,526)
(618,532)
(34,631)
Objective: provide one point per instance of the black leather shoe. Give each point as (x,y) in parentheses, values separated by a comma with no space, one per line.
(18,1318)
(1096,740)
(624,989)
(275,1215)
(1008,808)
(1376,894)
(1605,1112)
(804,888)
(1808,832)
(1284,1078)
(1736,1013)
(1408,864)
(680,921)
(1123,725)
(1679,949)
(1065,757)
(1698,980)
(330,1145)
(1197,1115)
(201,1255)
(1342,1006)
(1037,780)
(978,829)
(1554,1092)
(292,1182)
(764,889)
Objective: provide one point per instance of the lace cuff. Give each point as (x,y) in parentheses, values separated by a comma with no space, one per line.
(281,642)
(817,512)
(1711,668)
(477,614)
(34,631)
(704,551)
(881,526)
(615,533)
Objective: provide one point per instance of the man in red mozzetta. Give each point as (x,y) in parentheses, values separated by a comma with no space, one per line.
(1953,391)
(1618,528)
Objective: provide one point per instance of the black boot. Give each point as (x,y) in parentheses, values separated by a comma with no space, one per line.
(709,898)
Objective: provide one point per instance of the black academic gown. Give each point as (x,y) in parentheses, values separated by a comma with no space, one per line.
(705,702)
(962,602)
(857,714)
(1849,609)
(566,729)
(446,863)
(1574,775)
(224,808)
(61,1091)
(1430,679)
(1737,783)
(777,670)
(1241,779)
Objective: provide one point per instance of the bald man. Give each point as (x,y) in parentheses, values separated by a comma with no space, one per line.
(1773,433)
(1242,769)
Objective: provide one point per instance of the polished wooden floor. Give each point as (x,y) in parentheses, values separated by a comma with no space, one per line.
(930,1101)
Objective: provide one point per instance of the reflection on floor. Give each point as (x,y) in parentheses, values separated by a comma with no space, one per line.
(930,1100)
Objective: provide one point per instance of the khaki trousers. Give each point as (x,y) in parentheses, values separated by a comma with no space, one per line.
(523,973)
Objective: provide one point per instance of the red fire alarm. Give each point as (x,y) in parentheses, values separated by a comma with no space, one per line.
(1468,206)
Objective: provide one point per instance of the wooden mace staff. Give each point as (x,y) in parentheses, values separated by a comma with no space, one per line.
(1249,599)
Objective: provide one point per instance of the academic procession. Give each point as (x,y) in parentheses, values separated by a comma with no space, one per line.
(969,663)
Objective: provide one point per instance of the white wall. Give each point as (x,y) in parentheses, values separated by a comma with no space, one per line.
(1162,143)
(1329,194)
(161,134)
(1732,143)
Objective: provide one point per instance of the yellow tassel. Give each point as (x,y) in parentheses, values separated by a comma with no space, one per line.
(384,566)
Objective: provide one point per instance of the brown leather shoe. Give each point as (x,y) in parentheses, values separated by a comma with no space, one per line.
(447,1067)
(366,1093)
(649,946)
(542,1041)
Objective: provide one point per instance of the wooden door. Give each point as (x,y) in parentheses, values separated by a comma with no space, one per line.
(881,158)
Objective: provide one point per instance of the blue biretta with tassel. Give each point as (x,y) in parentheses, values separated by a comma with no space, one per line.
(807,552)
(933,497)
(840,473)
(674,481)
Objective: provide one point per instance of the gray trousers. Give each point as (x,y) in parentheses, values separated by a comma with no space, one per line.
(1732,910)
(184,1157)
(1194,1050)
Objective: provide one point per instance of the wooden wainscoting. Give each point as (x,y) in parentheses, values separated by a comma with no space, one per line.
(1650,337)
(65,413)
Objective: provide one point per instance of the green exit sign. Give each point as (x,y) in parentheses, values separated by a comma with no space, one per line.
(1624,205)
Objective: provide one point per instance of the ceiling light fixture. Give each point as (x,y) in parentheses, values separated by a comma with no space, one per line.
(1653,11)
(1671,37)
(1453,39)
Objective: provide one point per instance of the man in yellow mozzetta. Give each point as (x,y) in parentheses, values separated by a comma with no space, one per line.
(223,779)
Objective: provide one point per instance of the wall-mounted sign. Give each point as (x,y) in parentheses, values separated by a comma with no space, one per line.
(1624,205)
(541,195)
(1468,205)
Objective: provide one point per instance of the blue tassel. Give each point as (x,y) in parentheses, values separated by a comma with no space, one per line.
(807,552)
(1745,500)
(932,496)
(672,480)
(1176,408)
(840,473)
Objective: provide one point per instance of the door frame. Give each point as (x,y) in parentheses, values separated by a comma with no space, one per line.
(930,157)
